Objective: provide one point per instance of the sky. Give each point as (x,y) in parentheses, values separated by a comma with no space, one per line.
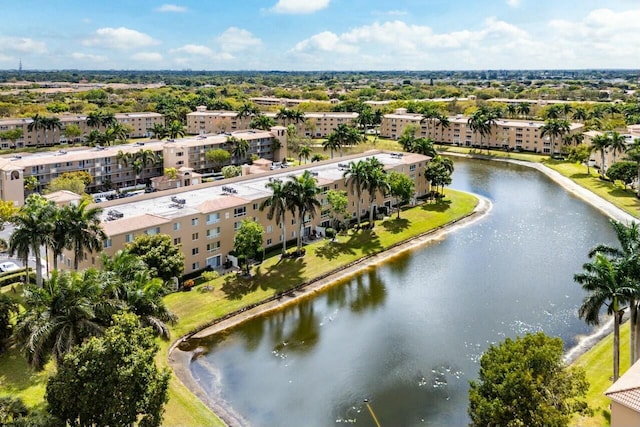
(301,35)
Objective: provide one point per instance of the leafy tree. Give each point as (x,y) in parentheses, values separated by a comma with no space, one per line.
(339,203)
(175,129)
(402,188)
(158,131)
(12,135)
(13,412)
(7,211)
(580,154)
(8,308)
(240,147)
(302,191)
(262,122)
(408,137)
(218,156)
(248,241)
(633,153)
(342,136)
(623,171)
(317,157)
(438,172)
(162,257)
(68,183)
(72,132)
(375,182)
(524,382)
(30,183)
(231,171)
(111,380)
(606,285)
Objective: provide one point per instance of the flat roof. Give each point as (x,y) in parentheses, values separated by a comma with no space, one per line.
(162,207)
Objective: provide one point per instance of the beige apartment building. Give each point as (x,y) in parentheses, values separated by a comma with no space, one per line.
(137,122)
(625,398)
(609,156)
(110,172)
(520,135)
(268,101)
(315,125)
(203,218)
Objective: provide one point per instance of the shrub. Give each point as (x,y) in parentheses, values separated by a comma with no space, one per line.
(209,275)
(187,285)
(330,233)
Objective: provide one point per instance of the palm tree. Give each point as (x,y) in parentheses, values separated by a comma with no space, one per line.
(332,143)
(262,122)
(344,135)
(145,158)
(83,230)
(512,110)
(175,129)
(278,204)
(62,314)
(600,143)
(375,182)
(53,124)
(425,147)
(38,123)
(304,153)
(554,128)
(443,123)
(356,177)
(33,229)
(284,115)
(247,110)
(628,254)
(524,108)
(115,132)
(158,131)
(124,158)
(59,237)
(364,119)
(633,153)
(302,191)
(617,144)
(94,119)
(580,114)
(240,147)
(607,286)
(297,115)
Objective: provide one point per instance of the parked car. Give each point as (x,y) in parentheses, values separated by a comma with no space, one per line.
(8,266)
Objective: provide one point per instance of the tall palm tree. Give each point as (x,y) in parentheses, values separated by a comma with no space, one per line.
(600,143)
(304,153)
(240,147)
(633,153)
(59,237)
(284,115)
(617,144)
(628,255)
(356,177)
(332,143)
(66,311)
(94,119)
(115,133)
(580,114)
(124,158)
(297,115)
(262,122)
(278,204)
(345,135)
(605,283)
(375,182)
(145,158)
(53,124)
(247,110)
(364,119)
(158,131)
(554,128)
(524,108)
(33,229)
(84,230)
(512,110)
(303,195)
(443,123)
(38,123)
(424,146)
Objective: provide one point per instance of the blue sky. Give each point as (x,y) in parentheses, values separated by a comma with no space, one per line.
(320,34)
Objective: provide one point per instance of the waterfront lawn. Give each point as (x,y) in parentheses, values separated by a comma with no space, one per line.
(232,292)
(598,364)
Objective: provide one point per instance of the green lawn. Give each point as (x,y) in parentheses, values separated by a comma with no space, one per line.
(598,363)
(230,293)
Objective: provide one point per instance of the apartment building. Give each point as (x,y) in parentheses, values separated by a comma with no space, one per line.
(110,172)
(520,135)
(203,219)
(315,125)
(609,156)
(137,122)
(268,101)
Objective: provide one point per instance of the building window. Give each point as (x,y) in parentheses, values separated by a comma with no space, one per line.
(107,243)
(128,238)
(412,168)
(255,206)
(177,241)
(213,218)
(212,247)
(194,221)
(213,233)
(236,225)
(269,242)
(195,266)
(269,228)
(176,226)
(153,231)
(194,236)
(195,251)
(239,212)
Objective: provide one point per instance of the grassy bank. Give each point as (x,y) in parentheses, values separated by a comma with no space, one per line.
(230,293)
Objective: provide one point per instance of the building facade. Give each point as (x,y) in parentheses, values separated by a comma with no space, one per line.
(203,219)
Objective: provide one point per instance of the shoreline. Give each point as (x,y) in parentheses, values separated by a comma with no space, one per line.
(180,360)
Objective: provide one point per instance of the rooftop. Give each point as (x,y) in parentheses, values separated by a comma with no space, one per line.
(626,390)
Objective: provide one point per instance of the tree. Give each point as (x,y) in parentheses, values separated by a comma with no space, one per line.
(30,183)
(231,171)
(402,188)
(304,153)
(617,144)
(554,128)
(339,203)
(8,309)
(600,143)
(72,132)
(248,241)
(111,380)
(408,138)
(438,172)
(218,156)
(66,182)
(424,146)
(175,129)
(580,154)
(83,230)
(63,313)
(623,171)
(33,228)
(158,131)
(278,204)
(302,191)
(355,178)
(262,122)
(162,257)
(524,382)
(375,182)
(343,135)
(633,153)
(7,211)
(240,147)
(247,110)
(12,135)
(115,133)
(606,285)
(331,143)
(38,123)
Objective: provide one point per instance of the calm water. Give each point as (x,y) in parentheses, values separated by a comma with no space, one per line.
(408,335)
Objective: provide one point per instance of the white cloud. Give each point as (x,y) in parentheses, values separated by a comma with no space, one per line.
(88,57)
(325,42)
(171,8)
(193,49)
(513,3)
(147,57)
(236,39)
(299,7)
(390,12)
(22,45)
(120,38)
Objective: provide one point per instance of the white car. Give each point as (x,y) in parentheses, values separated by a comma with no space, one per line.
(8,266)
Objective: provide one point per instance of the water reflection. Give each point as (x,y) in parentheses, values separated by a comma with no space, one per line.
(408,334)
